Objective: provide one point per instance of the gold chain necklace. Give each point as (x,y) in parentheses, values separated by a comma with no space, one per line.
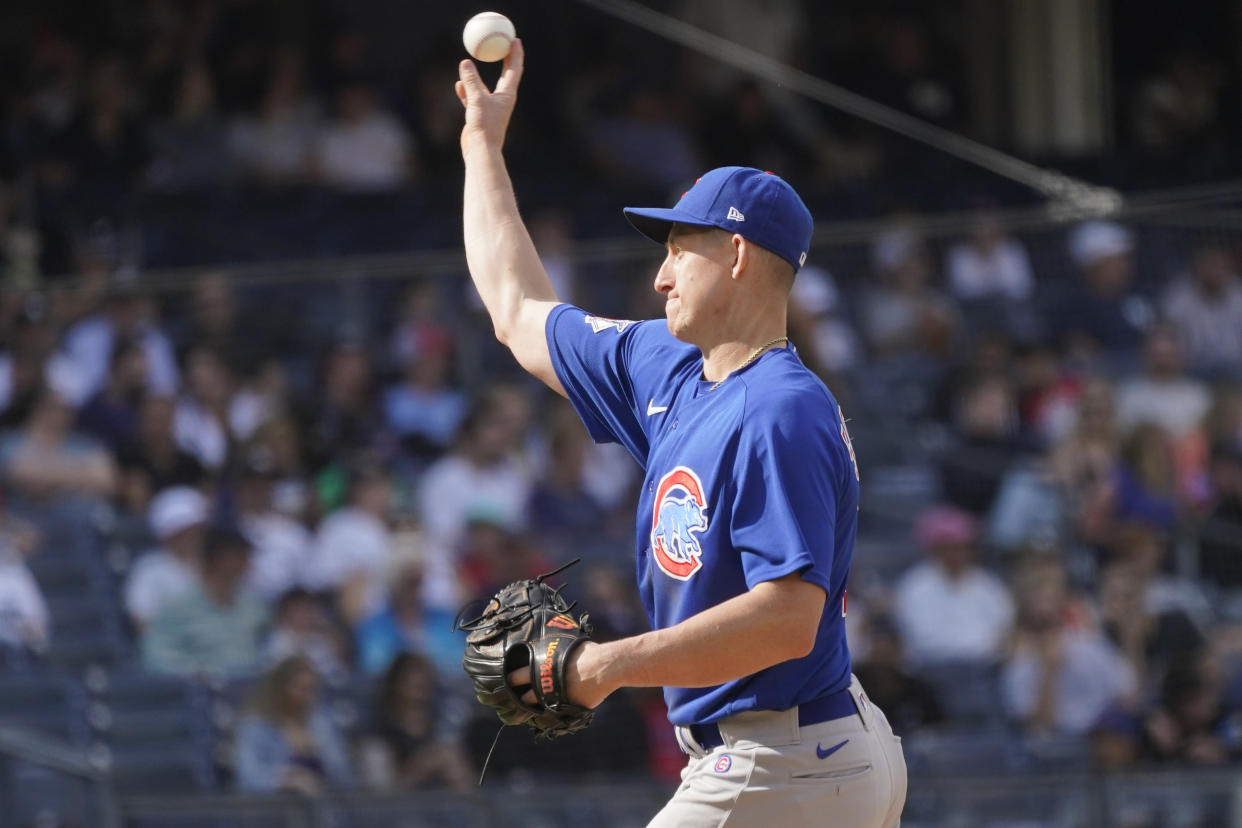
(758,353)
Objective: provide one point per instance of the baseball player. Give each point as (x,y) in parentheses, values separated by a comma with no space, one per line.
(748,510)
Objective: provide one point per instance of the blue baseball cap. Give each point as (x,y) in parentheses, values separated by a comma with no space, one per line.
(757,205)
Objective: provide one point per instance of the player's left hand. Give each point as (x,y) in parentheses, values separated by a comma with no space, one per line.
(582,689)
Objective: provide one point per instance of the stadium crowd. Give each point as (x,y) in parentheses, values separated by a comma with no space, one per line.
(271,500)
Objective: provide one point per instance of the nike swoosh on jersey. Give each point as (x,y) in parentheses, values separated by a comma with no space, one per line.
(653,409)
(824,753)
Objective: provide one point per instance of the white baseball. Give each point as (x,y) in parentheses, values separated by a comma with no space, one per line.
(488,36)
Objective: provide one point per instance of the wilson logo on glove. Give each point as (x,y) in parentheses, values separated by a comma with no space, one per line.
(563,622)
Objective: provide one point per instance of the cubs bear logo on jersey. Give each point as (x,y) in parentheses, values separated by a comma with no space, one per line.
(679,515)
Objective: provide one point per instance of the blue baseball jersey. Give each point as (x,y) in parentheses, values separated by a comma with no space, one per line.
(744,484)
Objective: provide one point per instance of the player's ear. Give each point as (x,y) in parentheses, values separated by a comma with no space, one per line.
(741,255)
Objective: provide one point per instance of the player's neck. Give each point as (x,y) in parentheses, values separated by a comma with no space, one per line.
(723,358)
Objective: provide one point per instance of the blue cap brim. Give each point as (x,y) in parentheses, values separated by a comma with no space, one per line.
(655,222)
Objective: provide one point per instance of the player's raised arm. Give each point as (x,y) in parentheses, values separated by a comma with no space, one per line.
(499,252)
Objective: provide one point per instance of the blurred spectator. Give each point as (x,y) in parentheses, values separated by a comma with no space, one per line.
(1220,534)
(363,148)
(550,231)
(1205,307)
(1163,394)
(902,313)
(1082,462)
(425,409)
(353,549)
(282,546)
(643,142)
(989,265)
(25,624)
(25,367)
(481,476)
(973,609)
(1101,312)
(212,629)
(909,703)
(109,150)
(1187,725)
(1062,675)
(46,460)
(341,417)
(570,520)
(214,322)
(817,320)
(405,624)
(1148,638)
(1149,549)
(155,455)
(742,127)
(989,442)
(126,315)
(1141,488)
(188,146)
(274,145)
(200,421)
(1179,109)
(288,741)
(1116,740)
(112,415)
(492,555)
(300,627)
(178,519)
(1048,393)
(408,747)
(278,443)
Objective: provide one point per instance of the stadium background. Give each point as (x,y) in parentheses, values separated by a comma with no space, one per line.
(234,304)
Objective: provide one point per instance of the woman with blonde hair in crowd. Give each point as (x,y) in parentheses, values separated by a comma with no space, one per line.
(288,741)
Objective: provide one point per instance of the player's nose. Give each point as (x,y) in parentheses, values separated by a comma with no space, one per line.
(664,276)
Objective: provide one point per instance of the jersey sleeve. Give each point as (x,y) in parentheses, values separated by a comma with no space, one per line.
(788,481)
(592,357)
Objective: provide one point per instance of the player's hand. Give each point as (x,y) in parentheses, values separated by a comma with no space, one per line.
(487,112)
(582,688)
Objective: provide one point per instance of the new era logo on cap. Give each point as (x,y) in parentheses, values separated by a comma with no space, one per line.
(754,204)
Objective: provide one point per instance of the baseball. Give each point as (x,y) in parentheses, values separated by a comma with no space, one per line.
(488,36)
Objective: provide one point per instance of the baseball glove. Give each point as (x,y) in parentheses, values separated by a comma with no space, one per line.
(527,624)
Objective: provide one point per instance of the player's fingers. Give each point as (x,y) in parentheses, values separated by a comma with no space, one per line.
(460,89)
(515,62)
(518,678)
(472,84)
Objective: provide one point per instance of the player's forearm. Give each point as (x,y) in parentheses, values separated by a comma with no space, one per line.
(774,622)
(499,251)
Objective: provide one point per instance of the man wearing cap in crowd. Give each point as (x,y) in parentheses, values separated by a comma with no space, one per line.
(1101,311)
(748,511)
(177,518)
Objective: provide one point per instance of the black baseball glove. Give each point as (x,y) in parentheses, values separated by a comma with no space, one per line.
(527,625)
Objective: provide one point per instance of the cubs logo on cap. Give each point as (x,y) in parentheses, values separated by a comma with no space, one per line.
(757,205)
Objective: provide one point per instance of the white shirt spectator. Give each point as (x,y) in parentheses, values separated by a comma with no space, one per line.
(947,619)
(1093,677)
(1210,327)
(453,490)
(1003,272)
(352,542)
(278,147)
(369,156)
(157,578)
(1177,405)
(281,553)
(24,619)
